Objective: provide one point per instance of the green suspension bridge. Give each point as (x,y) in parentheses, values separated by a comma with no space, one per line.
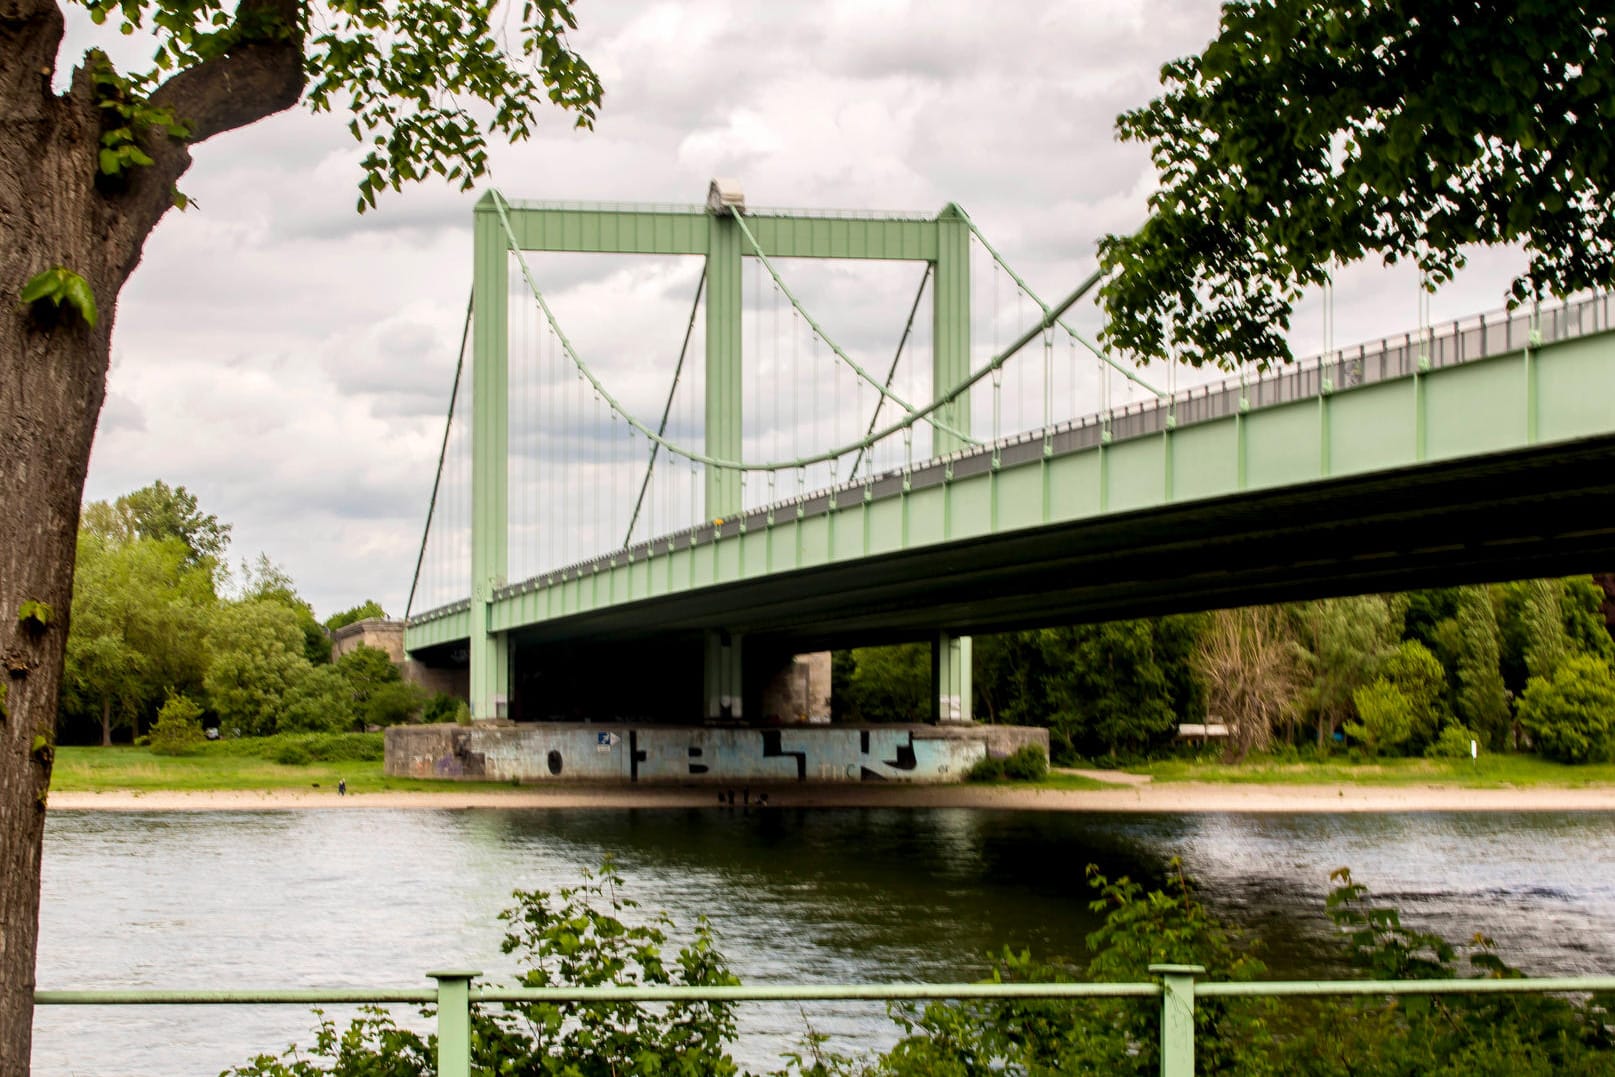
(593,546)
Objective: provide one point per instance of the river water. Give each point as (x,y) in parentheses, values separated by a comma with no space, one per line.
(351,898)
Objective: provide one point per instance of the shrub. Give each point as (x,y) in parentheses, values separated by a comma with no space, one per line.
(293,755)
(441,708)
(1452,744)
(320,747)
(987,769)
(1025,764)
(1569,714)
(178,730)
(1385,713)
(575,936)
(345,747)
(320,702)
(393,703)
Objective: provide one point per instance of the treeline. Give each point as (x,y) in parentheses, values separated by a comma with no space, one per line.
(1513,666)
(164,639)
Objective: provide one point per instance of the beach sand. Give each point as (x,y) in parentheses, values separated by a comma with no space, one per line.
(1127,794)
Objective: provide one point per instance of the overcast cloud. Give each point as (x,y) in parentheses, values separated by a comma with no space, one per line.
(289,360)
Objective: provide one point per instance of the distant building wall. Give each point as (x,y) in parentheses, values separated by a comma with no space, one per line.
(569,751)
(388,636)
(799,691)
(375,632)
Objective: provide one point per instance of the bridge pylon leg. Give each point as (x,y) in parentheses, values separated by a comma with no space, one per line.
(490,676)
(950,678)
(723,688)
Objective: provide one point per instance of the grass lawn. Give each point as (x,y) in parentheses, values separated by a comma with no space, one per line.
(1488,772)
(94,770)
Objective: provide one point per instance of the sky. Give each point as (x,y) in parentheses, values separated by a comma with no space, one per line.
(289,360)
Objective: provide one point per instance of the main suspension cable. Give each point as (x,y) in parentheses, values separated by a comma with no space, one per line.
(891,373)
(442,453)
(667,409)
(586,372)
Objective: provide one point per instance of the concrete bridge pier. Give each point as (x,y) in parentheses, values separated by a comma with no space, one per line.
(723,687)
(950,678)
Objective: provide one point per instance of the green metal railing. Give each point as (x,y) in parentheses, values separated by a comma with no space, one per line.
(1176,987)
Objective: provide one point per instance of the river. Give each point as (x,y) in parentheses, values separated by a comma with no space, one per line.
(376,897)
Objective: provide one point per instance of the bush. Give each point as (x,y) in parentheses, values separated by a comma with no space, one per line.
(318,747)
(345,747)
(178,730)
(320,702)
(393,703)
(1452,744)
(574,936)
(987,769)
(293,755)
(1386,716)
(1025,764)
(440,709)
(587,936)
(1569,714)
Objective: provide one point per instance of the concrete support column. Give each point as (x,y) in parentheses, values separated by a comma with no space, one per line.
(724,300)
(950,678)
(490,442)
(723,687)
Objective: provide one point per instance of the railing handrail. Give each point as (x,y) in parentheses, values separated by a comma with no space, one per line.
(1176,987)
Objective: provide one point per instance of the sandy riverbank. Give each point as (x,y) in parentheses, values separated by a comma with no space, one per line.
(1132,797)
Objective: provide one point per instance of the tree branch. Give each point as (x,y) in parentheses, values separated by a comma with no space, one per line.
(30,35)
(258,77)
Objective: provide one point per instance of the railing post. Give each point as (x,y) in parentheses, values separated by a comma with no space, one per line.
(454,1021)
(1177,1018)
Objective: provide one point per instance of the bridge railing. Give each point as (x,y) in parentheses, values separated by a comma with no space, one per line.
(1449,344)
(1177,986)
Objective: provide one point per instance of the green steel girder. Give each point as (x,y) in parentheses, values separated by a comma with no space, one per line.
(631,230)
(1459,418)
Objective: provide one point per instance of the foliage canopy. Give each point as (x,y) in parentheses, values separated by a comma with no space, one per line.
(1310,132)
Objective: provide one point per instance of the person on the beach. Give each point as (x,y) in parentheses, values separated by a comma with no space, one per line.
(342,787)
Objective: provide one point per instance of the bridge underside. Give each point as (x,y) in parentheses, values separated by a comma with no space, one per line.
(1549,511)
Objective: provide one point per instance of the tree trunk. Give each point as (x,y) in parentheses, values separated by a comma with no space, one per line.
(56,209)
(53,368)
(106,721)
(52,380)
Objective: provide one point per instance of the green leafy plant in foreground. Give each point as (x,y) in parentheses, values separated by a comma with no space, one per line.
(583,936)
(1514,1035)
(573,936)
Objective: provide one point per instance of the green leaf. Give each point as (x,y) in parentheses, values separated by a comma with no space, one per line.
(44,285)
(78,293)
(61,285)
(35,614)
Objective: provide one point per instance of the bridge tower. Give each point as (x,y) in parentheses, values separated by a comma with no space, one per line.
(716,234)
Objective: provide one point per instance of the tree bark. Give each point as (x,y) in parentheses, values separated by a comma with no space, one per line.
(53,369)
(106,721)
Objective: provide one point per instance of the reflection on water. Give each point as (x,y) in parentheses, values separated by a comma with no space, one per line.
(351,898)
